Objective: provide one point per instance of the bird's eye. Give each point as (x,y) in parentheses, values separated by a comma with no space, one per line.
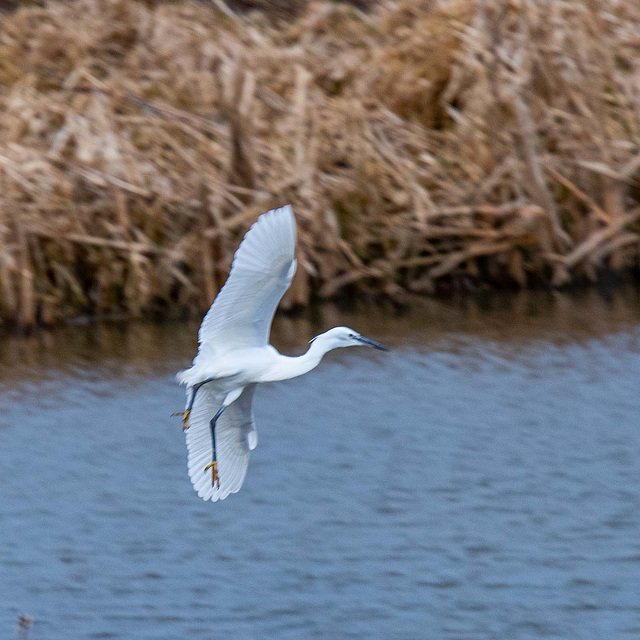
(352,335)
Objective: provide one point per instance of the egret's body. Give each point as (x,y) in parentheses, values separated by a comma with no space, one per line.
(235,355)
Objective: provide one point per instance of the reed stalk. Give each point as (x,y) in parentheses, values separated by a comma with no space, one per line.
(423,145)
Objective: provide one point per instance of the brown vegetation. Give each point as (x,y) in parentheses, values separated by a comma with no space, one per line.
(423,144)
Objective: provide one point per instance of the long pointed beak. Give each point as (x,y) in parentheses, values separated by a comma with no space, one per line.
(373,343)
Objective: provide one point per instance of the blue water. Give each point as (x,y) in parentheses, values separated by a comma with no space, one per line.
(482,480)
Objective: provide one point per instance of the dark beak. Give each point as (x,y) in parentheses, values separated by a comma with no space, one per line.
(373,343)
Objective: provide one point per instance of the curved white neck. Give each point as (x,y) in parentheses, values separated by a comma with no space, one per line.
(291,367)
(316,351)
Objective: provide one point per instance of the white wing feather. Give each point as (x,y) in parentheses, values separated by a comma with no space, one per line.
(236,436)
(262,270)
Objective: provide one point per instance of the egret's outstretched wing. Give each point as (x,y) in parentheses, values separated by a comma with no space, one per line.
(261,272)
(236,436)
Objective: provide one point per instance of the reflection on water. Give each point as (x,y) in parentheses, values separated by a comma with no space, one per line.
(480,481)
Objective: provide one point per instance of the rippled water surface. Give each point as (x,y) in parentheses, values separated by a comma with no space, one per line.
(482,480)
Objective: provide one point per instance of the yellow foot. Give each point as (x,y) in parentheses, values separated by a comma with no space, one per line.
(215,478)
(185,418)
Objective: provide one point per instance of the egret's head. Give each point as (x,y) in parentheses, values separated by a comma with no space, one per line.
(345,337)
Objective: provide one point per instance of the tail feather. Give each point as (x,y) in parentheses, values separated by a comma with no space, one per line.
(184,377)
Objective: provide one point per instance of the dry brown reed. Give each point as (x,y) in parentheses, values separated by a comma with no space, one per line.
(423,145)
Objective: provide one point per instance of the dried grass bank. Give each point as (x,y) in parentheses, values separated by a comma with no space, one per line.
(424,145)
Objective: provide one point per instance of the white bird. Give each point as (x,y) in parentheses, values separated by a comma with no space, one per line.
(235,355)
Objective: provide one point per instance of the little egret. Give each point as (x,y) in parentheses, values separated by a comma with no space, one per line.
(235,355)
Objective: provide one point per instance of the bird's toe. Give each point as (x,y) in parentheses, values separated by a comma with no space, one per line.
(215,478)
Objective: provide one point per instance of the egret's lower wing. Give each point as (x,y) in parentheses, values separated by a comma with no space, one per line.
(236,436)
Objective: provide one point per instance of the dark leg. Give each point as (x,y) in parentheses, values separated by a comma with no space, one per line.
(214,465)
(185,414)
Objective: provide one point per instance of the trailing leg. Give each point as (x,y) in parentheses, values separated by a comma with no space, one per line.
(185,414)
(230,397)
